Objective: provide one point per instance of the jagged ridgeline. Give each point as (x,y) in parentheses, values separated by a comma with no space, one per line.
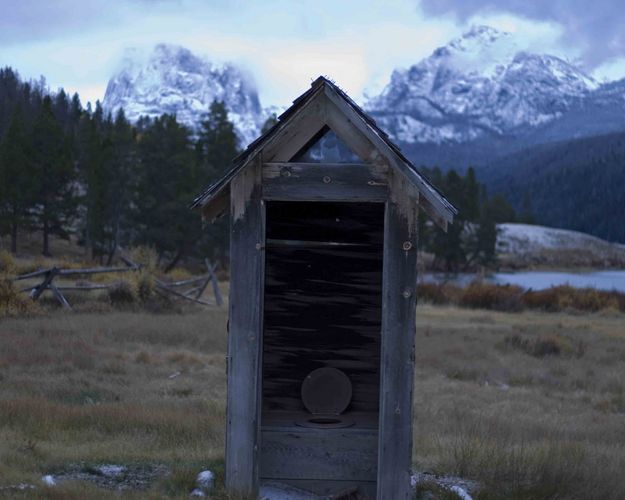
(521,120)
(170,79)
(68,171)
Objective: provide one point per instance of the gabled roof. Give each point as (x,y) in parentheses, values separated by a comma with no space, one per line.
(435,204)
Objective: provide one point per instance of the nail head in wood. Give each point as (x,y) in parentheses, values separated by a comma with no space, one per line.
(327,179)
(407,245)
(407,293)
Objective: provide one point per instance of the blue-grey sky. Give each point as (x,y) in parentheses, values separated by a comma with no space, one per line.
(77,44)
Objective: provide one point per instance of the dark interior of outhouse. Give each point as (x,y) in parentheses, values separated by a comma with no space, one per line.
(322,305)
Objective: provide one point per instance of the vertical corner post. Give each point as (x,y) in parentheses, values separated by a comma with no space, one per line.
(398,337)
(247,263)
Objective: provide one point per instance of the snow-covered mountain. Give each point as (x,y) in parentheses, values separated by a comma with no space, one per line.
(477,86)
(172,80)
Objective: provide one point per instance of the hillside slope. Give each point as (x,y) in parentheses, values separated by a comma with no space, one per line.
(530,244)
(577,184)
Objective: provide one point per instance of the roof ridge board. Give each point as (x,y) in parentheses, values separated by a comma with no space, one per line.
(384,137)
(240,160)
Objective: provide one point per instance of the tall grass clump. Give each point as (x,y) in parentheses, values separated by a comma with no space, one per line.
(510,462)
(13,302)
(121,294)
(146,257)
(7,264)
(143,285)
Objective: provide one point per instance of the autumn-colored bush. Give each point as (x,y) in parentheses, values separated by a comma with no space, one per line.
(122,294)
(480,295)
(146,257)
(13,302)
(488,296)
(143,284)
(7,264)
(439,293)
(567,297)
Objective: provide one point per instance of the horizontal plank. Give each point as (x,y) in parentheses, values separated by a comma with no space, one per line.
(327,454)
(97,270)
(326,488)
(324,182)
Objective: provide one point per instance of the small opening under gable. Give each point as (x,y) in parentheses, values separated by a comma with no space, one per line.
(326,147)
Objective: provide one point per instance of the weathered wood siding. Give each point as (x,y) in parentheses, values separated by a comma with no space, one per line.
(398,334)
(320,454)
(245,332)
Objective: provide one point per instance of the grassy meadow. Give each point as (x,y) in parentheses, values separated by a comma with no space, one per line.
(530,404)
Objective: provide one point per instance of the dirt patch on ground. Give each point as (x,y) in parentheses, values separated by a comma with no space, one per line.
(114,477)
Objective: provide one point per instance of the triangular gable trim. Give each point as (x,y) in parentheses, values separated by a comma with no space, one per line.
(325,104)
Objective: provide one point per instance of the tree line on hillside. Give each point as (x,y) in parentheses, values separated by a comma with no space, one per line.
(68,170)
(470,242)
(577,184)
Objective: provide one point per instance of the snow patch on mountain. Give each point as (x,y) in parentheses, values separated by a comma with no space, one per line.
(479,84)
(521,239)
(171,79)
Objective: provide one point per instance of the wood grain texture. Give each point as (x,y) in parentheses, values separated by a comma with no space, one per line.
(350,135)
(302,127)
(322,303)
(331,488)
(397,356)
(435,206)
(322,454)
(324,182)
(245,332)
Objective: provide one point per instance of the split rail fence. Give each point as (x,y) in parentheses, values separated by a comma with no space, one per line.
(190,289)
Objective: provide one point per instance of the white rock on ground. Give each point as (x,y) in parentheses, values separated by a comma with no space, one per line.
(198,493)
(205,479)
(461,493)
(48,480)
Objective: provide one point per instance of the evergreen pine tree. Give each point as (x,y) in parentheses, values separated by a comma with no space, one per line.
(55,175)
(165,184)
(17,180)
(217,146)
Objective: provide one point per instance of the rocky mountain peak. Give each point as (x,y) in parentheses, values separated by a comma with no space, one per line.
(479,84)
(171,79)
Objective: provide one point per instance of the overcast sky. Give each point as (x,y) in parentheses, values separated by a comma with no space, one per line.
(77,44)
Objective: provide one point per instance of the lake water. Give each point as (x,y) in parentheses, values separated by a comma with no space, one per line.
(539,280)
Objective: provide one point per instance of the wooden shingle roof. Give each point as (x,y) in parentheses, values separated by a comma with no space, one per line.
(432,200)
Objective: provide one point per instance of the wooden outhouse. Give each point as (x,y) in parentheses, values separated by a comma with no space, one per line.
(323,248)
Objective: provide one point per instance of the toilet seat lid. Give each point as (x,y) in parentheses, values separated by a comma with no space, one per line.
(326,391)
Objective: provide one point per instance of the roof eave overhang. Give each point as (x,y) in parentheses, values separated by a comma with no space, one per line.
(214,201)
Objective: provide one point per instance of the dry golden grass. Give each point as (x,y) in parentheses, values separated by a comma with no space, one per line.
(99,388)
(526,421)
(528,425)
